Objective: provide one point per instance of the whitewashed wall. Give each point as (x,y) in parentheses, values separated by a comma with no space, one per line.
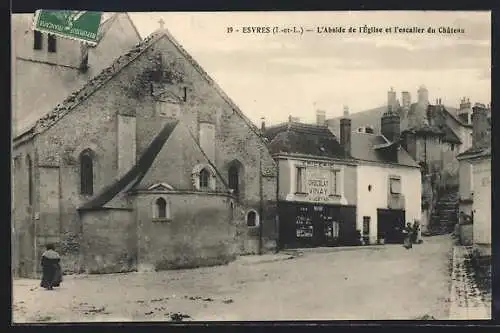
(369,201)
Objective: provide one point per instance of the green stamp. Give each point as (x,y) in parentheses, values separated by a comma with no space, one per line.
(78,25)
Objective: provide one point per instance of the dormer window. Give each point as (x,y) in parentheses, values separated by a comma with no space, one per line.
(37,40)
(51,43)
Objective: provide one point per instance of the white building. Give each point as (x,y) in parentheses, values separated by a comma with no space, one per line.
(475,180)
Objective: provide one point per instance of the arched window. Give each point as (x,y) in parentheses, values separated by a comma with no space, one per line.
(29,166)
(161,208)
(204,179)
(234,180)
(86,173)
(252,219)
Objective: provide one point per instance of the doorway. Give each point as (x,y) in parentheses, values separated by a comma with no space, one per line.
(391,223)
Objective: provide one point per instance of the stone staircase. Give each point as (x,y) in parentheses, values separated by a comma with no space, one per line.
(445,213)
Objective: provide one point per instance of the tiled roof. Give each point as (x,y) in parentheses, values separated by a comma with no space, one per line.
(306,139)
(136,173)
(363,149)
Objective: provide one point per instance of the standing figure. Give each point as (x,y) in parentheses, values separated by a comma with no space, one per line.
(51,268)
(408,234)
(417,234)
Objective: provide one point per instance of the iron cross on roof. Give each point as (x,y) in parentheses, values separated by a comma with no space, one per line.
(162,23)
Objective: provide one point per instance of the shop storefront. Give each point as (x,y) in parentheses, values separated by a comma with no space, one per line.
(316,224)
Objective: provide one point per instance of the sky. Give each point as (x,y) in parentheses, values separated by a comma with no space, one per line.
(277,75)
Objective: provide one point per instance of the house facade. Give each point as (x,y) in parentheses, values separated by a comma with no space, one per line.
(388,181)
(475,184)
(433,135)
(149,165)
(334,190)
(317,186)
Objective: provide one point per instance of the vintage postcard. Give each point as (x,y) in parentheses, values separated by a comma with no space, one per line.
(245,166)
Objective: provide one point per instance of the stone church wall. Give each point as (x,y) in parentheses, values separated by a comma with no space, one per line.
(109,241)
(198,231)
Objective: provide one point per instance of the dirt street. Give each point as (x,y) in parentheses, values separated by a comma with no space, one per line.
(383,282)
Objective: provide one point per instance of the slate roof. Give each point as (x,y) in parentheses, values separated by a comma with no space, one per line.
(108,73)
(136,173)
(305,139)
(363,148)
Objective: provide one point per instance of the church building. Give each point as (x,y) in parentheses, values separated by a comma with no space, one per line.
(148,166)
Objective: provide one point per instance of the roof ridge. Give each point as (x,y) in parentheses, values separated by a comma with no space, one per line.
(57,113)
(133,25)
(135,174)
(214,84)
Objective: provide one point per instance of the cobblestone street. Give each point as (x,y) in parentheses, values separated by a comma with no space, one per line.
(468,302)
(373,282)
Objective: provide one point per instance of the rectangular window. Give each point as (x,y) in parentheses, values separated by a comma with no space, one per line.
(366,225)
(37,40)
(51,43)
(335,182)
(299,182)
(395,185)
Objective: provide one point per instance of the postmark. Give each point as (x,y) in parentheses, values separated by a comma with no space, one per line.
(82,26)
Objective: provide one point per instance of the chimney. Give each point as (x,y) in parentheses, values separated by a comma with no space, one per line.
(390,125)
(481,128)
(345,131)
(320,117)
(423,95)
(406,99)
(465,110)
(263,124)
(391,98)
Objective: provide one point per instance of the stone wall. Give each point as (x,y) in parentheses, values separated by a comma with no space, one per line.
(109,241)
(198,231)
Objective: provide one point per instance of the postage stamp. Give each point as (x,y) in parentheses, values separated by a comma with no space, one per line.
(78,25)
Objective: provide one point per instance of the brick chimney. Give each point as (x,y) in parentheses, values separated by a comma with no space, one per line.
(390,125)
(406,99)
(391,98)
(423,95)
(481,128)
(345,131)
(320,118)
(465,110)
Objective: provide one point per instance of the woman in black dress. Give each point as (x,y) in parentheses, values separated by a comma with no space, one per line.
(51,269)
